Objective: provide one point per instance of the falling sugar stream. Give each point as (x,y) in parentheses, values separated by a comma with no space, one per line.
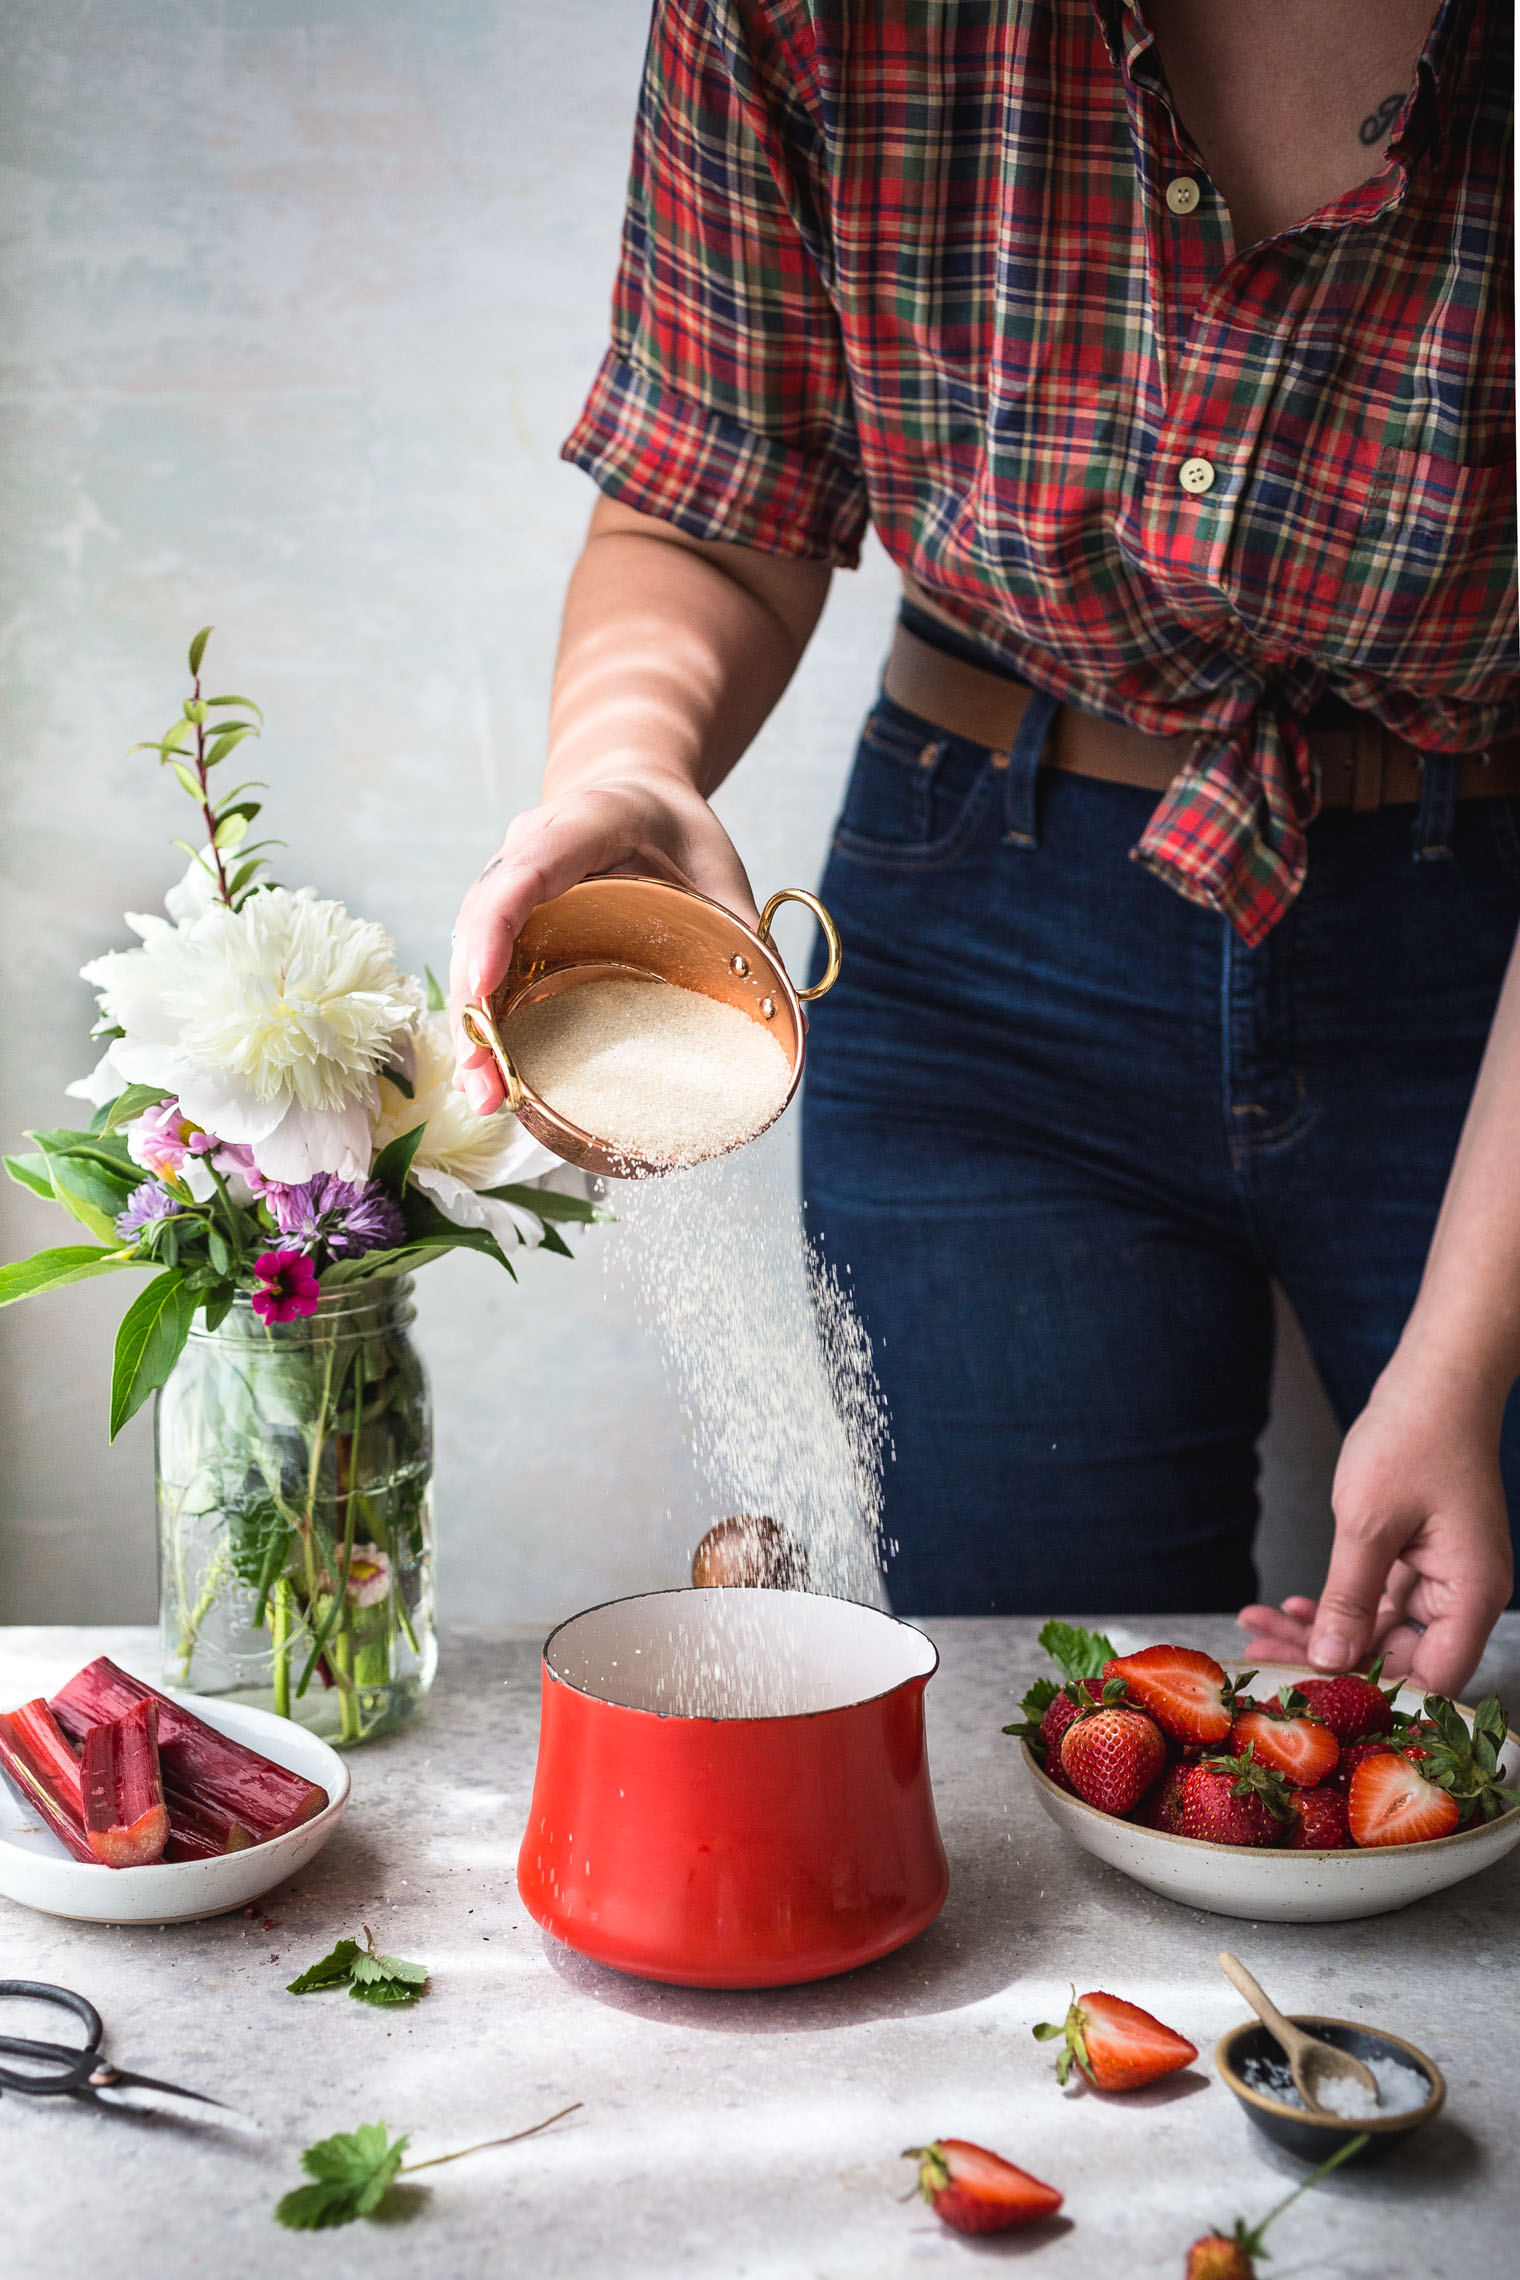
(772,1368)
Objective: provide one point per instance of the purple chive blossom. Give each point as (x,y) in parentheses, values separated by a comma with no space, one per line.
(147,1204)
(286,1286)
(349,1216)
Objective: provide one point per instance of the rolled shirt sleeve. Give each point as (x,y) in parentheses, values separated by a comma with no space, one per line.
(723,404)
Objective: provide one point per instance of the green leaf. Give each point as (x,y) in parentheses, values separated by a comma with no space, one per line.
(198,649)
(330,1971)
(436,1001)
(219,1250)
(548,1203)
(394,1162)
(175,739)
(130,1104)
(426,1224)
(221,704)
(1079,1653)
(243,874)
(389,1994)
(227,740)
(31,1172)
(402,1082)
(551,1240)
(189,779)
(194,710)
(148,1344)
(1034,1706)
(219,1304)
(353,2173)
(230,829)
(369,1970)
(91,1188)
(50,1270)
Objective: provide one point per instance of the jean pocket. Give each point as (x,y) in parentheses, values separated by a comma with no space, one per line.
(917,799)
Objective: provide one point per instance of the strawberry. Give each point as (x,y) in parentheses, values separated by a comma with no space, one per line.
(1163,1808)
(1232,2255)
(1234,1801)
(1318,1822)
(977,2191)
(1115,2044)
(1186,1692)
(1354,1754)
(1063,1710)
(1351,1705)
(1299,1747)
(1111,1756)
(1391,1803)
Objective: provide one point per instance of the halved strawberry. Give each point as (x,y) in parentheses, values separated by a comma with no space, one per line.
(1111,1756)
(977,2191)
(1317,1821)
(1352,1705)
(1115,2044)
(1185,1691)
(1234,1801)
(1300,1748)
(1391,1803)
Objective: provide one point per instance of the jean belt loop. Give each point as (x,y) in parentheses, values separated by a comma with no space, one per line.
(1440,773)
(1021,807)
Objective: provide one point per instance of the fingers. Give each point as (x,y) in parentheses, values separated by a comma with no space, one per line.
(1346,1617)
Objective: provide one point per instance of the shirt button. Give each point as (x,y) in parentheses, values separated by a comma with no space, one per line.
(1183,194)
(1196,475)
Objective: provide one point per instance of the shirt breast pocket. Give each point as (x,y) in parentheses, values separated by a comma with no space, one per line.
(1398,564)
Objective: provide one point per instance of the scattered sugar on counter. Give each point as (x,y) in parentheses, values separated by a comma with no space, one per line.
(1401,2089)
(663,1072)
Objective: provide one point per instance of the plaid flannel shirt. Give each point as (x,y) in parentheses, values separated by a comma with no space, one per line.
(915,262)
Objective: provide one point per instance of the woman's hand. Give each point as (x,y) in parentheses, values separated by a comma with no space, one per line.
(653,823)
(1421,1565)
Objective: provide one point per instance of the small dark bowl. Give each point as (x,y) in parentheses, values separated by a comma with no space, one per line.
(1314,2137)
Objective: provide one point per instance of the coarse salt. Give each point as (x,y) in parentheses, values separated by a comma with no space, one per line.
(1401,2089)
(655,1070)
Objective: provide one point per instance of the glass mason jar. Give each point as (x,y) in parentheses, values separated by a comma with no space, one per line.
(295,1521)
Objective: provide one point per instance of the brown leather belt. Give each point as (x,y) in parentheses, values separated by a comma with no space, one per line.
(1361,764)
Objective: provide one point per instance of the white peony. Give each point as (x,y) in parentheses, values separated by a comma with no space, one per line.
(269,1023)
(460,1152)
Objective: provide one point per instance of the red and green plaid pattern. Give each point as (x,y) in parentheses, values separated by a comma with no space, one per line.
(913,262)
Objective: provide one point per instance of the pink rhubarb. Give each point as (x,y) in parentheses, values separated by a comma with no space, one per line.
(42,1766)
(125,1817)
(201,1767)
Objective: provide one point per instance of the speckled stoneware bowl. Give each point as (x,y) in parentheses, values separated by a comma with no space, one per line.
(1271,1886)
(1314,2137)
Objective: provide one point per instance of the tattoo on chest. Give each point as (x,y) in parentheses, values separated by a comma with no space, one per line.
(1374,128)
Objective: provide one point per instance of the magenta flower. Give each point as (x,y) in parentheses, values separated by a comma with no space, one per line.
(286,1288)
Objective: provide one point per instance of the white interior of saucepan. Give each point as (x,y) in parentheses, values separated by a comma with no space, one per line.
(736,1653)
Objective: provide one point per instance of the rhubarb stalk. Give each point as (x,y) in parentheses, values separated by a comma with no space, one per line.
(204,1768)
(125,1817)
(43,1768)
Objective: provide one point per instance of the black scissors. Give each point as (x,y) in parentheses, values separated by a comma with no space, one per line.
(77,2070)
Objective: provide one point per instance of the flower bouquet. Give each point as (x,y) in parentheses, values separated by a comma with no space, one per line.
(277,1142)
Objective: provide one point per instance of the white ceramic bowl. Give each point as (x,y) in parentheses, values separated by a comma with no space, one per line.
(36,1870)
(1269,1886)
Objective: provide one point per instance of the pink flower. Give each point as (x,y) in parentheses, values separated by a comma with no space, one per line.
(162,1137)
(287,1286)
(235,1163)
(369,1576)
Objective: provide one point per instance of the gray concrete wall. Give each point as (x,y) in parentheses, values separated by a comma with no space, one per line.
(300,297)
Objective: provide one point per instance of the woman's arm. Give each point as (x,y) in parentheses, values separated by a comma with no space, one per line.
(1422,1562)
(672,653)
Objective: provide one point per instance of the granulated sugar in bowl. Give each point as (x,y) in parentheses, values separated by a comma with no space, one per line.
(642,1028)
(655,1070)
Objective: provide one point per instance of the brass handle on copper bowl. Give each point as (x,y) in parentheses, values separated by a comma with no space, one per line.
(478,1026)
(829,929)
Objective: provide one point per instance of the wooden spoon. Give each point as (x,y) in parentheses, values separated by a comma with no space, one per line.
(1310,2061)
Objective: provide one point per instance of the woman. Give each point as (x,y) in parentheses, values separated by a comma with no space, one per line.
(1167,348)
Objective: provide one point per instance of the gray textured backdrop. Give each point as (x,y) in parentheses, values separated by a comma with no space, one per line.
(299,302)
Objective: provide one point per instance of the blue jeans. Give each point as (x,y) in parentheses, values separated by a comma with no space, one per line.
(1061,1128)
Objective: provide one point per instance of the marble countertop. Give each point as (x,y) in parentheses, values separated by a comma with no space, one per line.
(734,2134)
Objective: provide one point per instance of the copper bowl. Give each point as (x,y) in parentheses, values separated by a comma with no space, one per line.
(617,927)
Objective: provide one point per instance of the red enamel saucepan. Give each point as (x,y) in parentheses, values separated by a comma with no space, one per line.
(733,1788)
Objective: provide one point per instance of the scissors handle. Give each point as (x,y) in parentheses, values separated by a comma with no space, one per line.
(68,2065)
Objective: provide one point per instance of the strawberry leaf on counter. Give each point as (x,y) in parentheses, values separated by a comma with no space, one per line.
(368,1976)
(353,2173)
